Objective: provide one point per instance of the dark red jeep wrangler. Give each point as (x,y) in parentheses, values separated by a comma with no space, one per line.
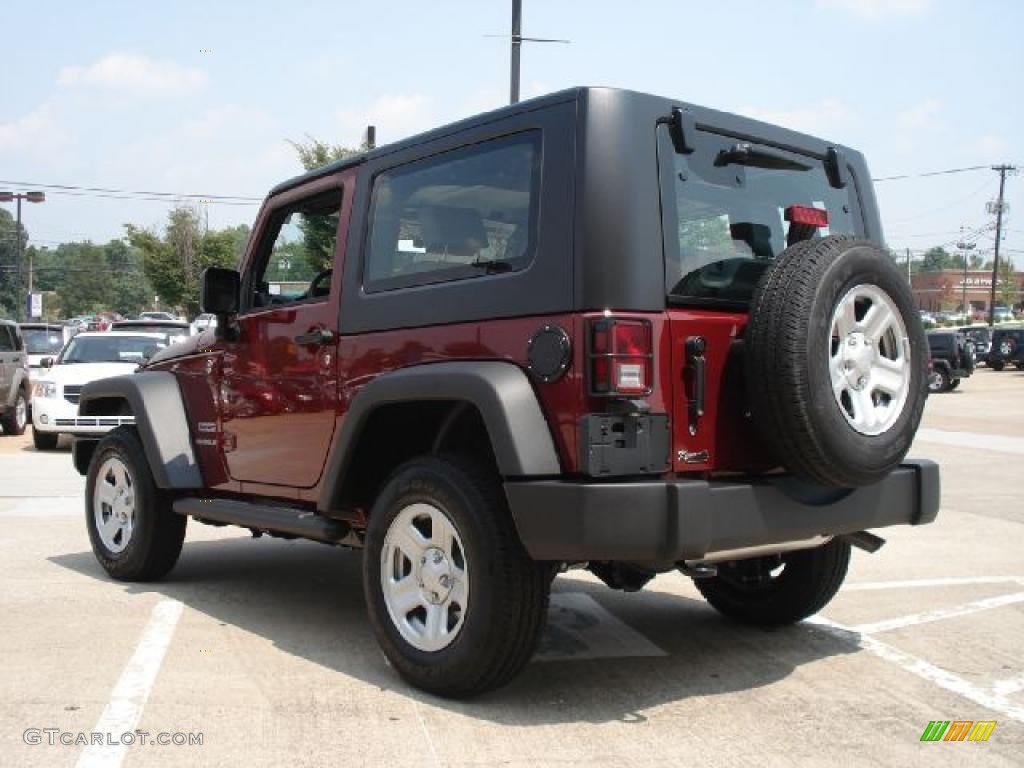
(598,328)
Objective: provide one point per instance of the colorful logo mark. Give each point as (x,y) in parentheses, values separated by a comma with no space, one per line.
(958,730)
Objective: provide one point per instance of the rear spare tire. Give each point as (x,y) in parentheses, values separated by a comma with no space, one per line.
(836,362)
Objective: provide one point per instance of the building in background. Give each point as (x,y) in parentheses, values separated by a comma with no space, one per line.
(944,289)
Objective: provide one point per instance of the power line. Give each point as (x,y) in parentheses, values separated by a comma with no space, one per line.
(172,195)
(932,173)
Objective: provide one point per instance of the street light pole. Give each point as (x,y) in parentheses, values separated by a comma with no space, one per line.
(32,197)
(964,247)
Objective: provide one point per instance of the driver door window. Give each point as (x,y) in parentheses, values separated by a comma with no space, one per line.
(297,253)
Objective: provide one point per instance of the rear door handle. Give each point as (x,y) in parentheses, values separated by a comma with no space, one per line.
(319,337)
(695,365)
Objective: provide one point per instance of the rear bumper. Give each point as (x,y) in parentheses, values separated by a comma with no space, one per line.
(689,519)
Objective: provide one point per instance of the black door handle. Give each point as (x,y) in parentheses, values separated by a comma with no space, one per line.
(319,337)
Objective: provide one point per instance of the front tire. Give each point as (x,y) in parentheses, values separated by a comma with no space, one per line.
(44,441)
(938,381)
(16,417)
(456,603)
(756,592)
(135,534)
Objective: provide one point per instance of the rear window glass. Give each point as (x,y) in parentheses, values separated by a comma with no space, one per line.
(730,216)
(40,341)
(460,214)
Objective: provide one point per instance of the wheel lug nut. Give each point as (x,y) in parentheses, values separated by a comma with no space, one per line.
(862,382)
(445,581)
(437,557)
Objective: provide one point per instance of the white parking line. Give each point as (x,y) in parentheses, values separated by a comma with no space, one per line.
(923,669)
(1008,687)
(128,698)
(978,440)
(45,506)
(942,582)
(939,614)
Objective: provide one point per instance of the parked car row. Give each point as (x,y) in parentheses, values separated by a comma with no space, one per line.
(43,366)
(955,353)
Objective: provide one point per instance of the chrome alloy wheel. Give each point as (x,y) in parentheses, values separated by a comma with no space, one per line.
(869,359)
(113,504)
(425,577)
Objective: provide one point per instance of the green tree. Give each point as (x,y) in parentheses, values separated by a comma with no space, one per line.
(9,299)
(937,259)
(85,285)
(163,272)
(1007,291)
(318,234)
(173,264)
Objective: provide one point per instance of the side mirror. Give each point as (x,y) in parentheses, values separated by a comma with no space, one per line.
(46,362)
(220,291)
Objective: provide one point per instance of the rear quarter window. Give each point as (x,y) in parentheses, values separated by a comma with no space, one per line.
(461,214)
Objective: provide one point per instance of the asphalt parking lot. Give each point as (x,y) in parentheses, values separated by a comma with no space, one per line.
(262,645)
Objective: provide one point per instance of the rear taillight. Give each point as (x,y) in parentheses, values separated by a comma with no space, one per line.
(621,357)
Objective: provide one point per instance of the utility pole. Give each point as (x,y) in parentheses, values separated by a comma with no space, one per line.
(999,207)
(517,44)
(908,265)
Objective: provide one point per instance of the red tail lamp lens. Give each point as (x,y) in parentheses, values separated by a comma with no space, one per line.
(804,214)
(621,357)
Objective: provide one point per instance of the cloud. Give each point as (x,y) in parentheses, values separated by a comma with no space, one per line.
(36,132)
(134,73)
(826,117)
(395,116)
(878,9)
(927,114)
(989,147)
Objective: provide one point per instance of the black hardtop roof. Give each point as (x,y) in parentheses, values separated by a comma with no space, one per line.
(611,100)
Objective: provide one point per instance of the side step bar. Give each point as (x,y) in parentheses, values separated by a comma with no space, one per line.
(266,518)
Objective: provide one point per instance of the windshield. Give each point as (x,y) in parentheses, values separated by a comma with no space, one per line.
(731,217)
(39,341)
(110,349)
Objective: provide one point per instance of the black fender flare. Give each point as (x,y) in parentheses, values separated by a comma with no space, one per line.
(160,419)
(501,392)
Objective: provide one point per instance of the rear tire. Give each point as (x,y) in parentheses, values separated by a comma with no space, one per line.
(954,384)
(16,417)
(997,366)
(493,600)
(44,441)
(746,590)
(135,534)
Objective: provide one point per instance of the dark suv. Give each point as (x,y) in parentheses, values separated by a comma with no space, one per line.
(1007,347)
(952,359)
(15,387)
(599,328)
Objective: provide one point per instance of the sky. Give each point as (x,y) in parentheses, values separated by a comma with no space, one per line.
(201,98)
